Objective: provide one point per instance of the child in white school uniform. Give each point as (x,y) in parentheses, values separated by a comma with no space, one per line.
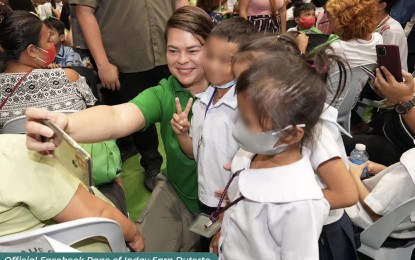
(215,112)
(329,159)
(281,209)
(382,193)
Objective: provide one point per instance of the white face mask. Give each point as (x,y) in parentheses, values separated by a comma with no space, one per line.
(260,143)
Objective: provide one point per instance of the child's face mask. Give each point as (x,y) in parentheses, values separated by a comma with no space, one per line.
(263,143)
(50,55)
(307,22)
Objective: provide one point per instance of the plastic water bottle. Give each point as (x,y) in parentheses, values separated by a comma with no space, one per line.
(359,156)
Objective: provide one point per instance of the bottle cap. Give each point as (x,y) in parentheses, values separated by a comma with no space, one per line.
(360,147)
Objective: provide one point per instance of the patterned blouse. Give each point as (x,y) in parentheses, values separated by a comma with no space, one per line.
(45,88)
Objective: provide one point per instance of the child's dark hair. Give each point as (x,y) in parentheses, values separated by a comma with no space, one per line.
(18,30)
(320,63)
(285,91)
(299,7)
(319,3)
(208,5)
(389,5)
(24,5)
(235,29)
(53,23)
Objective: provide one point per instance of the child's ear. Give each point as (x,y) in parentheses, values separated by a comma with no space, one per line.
(382,6)
(62,37)
(297,20)
(293,136)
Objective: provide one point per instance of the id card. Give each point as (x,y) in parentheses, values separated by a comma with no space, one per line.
(204,226)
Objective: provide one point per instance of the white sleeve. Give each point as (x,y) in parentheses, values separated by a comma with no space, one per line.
(385,196)
(298,228)
(390,37)
(325,147)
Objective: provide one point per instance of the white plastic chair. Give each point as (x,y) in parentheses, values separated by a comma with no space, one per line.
(18,125)
(75,231)
(374,236)
(356,79)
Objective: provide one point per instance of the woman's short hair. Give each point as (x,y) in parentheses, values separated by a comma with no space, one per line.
(191,19)
(352,19)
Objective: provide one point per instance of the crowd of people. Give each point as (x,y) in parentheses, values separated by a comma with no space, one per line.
(247,115)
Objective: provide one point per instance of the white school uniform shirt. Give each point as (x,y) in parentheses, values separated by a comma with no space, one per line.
(388,189)
(328,144)
(217,145)
(281,216)
(393,33)
(358,51)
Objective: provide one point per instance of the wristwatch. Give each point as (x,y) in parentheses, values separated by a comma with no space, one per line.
(404,107)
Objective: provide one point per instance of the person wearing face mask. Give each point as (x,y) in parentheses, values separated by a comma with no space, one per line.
(27,81)
(215,113)
(305,18)
(277,209)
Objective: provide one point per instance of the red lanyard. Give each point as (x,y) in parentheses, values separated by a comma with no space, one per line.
(215,215)
(14,89)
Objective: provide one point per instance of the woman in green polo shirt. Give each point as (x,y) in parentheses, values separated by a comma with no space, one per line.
(174,203)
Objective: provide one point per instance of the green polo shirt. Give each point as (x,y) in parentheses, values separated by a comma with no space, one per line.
(158,105)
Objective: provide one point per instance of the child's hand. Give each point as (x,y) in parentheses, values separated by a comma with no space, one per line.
(375,168)
(214,244)
(302,42)
(180,121)
(54,66)
(357,170)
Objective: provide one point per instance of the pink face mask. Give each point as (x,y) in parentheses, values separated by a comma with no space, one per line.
(307,22)
(50,55)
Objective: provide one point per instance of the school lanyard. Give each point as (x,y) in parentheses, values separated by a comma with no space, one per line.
(210,101)
(219,210)
(14,89)
(199,143)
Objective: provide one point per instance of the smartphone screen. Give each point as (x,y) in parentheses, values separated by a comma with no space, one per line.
(72,156)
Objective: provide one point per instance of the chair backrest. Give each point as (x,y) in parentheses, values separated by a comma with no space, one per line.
(376,234)
(356,78)
(75,231)
(18,125)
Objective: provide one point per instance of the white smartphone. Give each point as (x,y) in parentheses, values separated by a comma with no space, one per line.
(73,157)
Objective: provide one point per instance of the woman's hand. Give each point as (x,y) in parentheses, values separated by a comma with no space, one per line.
(396,92)
(35,130)
(180,121)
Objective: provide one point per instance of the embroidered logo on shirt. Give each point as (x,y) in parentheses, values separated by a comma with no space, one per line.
(385,28)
